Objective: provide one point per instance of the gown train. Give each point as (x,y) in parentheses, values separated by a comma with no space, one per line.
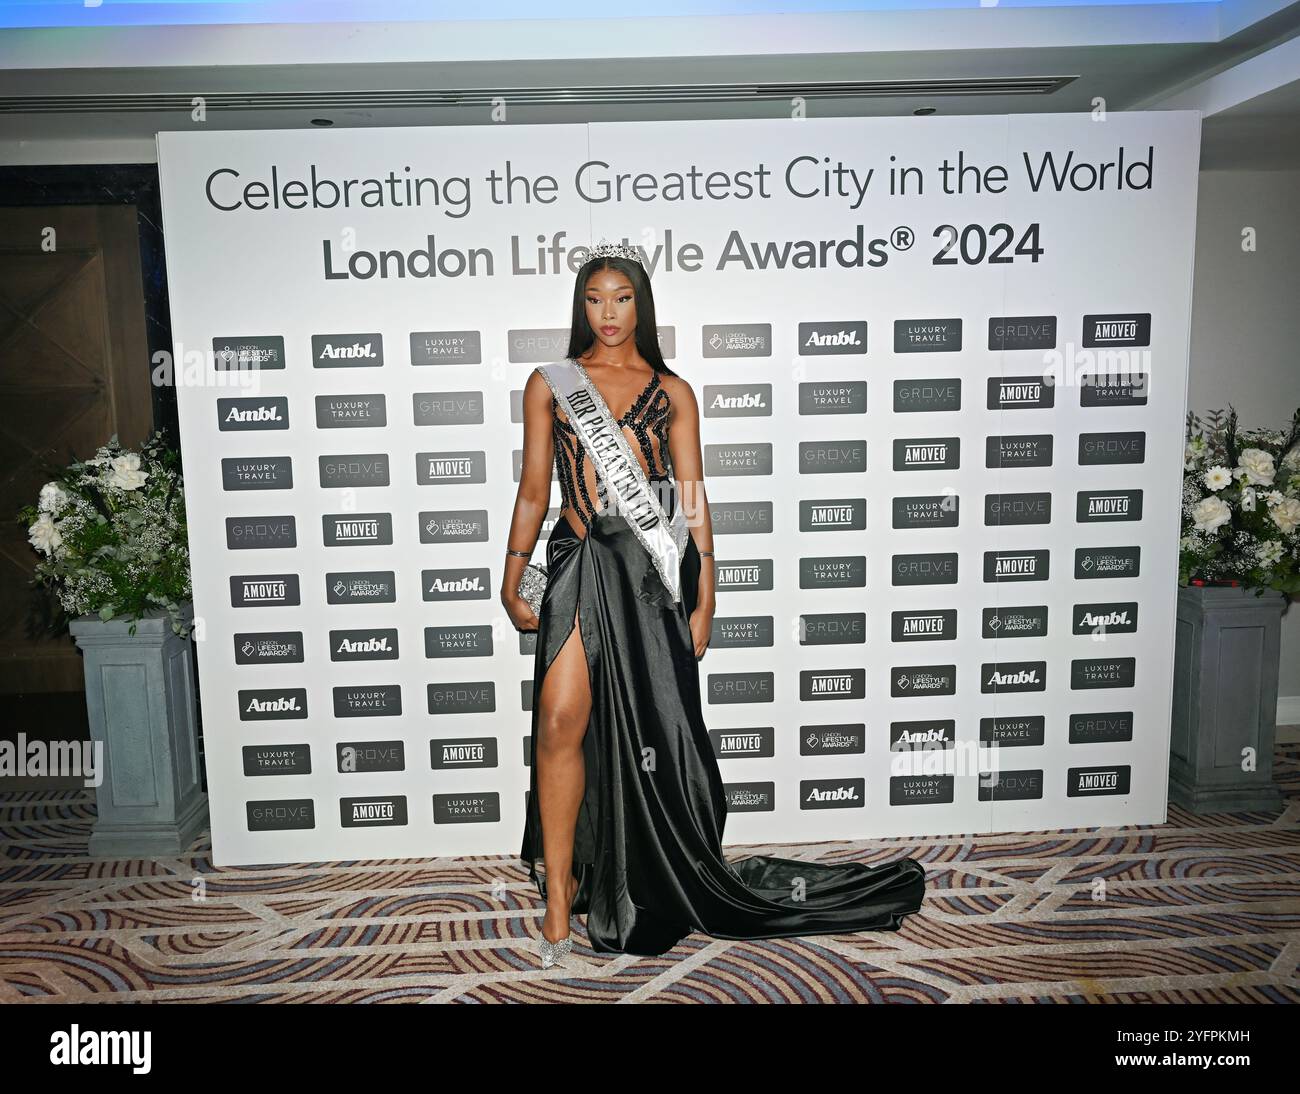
(648,843)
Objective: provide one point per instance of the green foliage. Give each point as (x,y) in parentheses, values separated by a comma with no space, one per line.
(111,534)
(1241,504)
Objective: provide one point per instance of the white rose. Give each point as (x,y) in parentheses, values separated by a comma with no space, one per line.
(1217,477)
(44,536)
(1258,465)
(126,473)
(1269,552)
(53,498)
(1286,514)
(1210,513)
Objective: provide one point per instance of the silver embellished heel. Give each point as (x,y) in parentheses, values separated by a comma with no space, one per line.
(552,951)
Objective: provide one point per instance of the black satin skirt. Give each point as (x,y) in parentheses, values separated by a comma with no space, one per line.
(648,843)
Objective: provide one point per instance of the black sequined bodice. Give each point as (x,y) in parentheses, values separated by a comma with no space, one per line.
(647,419)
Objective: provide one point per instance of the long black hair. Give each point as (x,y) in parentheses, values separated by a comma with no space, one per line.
(582,337)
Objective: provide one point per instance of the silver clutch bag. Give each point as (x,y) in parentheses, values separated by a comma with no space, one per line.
(533,585)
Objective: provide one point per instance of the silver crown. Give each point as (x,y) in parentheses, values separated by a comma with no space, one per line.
(606,249)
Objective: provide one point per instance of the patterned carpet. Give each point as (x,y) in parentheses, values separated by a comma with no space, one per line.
(1202,909)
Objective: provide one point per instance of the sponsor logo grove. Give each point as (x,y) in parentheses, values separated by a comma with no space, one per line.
(341,472)
(1001,785)
(453,408)
(1014,332)
(924,569)
(927,396)
(828,457)
(261,533)
(1101,727)
(1101,448)
(280,816)
(1030,508)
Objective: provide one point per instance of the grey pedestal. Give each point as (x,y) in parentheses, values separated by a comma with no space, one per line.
(1225,699)
(140,699)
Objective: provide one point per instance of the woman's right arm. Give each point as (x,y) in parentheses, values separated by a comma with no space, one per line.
(533,499)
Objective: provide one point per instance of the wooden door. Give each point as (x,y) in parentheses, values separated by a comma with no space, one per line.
(74,369)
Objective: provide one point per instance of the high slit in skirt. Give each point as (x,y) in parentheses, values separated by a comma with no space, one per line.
(647,848)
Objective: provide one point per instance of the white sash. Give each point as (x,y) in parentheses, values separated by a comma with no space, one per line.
(620,471)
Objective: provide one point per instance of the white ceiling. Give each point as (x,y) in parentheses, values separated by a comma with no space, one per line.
(1238,62)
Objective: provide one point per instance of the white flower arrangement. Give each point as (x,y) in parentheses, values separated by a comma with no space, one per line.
(1241,505)
(111,532)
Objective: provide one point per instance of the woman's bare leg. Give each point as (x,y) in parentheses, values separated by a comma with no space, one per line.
(563,710)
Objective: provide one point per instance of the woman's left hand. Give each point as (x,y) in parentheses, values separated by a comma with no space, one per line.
(701,630)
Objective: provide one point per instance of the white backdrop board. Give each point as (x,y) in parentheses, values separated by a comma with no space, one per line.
(942,369)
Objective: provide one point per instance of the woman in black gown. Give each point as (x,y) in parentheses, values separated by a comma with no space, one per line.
(626,802)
